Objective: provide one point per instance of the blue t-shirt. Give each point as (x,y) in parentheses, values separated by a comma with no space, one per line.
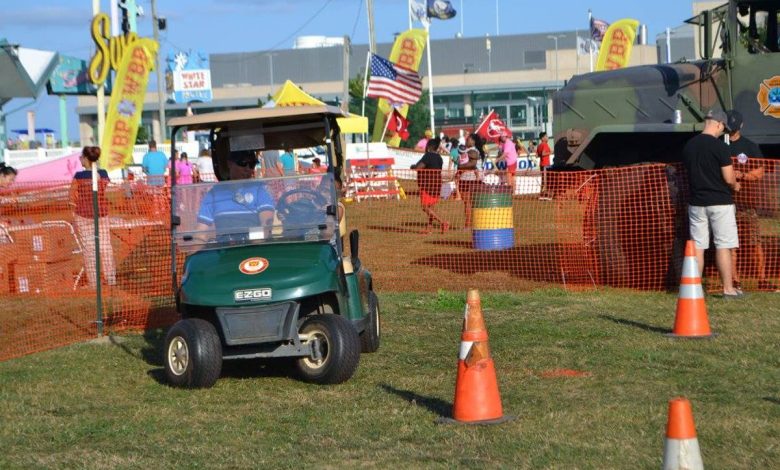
(288,163)
(234,208)
(154,165)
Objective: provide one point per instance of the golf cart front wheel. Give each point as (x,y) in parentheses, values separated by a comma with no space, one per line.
(193,354)
(335,350)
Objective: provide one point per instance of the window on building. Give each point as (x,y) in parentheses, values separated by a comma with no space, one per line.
(533,57)
(518,115)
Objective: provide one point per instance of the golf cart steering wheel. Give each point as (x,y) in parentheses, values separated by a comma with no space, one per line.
(302,210)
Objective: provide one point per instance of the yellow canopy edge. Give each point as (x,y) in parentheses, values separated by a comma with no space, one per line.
(290,95)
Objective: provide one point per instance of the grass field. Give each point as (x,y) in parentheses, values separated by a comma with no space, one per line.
(102,405)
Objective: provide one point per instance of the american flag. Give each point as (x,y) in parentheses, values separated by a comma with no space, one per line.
(392,82)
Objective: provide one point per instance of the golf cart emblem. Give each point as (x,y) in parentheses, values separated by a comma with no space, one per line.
(769,97)
(253,266)
(252,295)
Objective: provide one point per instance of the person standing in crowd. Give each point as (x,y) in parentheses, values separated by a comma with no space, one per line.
(711,181)
(7,175)
(287,159)
(81,199)
(422,144)
(520,148)
(271,167)
(154,165)
(749,174)
(467,172)
(507,155)
(316,166)
(429,181)
(543,151)
(184,170)
(205,167)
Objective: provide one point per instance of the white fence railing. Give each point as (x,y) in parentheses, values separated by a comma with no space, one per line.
(24,158)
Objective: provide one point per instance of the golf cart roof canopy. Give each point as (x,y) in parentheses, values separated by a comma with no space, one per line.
(254,117)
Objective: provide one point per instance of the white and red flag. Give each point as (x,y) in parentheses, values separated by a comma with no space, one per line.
(398,124)
(492,127)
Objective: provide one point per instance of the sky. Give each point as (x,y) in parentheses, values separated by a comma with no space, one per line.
(253,25)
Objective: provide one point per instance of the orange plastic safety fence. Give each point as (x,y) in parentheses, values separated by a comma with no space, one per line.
(47,263)
(420,231)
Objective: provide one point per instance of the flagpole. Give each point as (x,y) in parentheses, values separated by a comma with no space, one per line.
(365,82)
(590,38)
(577,48)
(409,12)
(430,74)
(387,124)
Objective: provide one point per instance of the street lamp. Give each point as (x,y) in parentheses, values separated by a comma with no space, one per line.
(555,38)
(490,60)
(271,68)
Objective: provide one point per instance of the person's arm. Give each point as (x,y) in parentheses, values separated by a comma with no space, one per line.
(730,177)
(472,163)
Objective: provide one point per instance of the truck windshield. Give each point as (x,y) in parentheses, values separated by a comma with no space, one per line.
(256,211)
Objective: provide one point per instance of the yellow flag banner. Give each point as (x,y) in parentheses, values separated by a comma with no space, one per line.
(407,52)
(616,47)
(127,104)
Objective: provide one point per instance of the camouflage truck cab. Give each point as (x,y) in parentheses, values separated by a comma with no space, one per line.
(627,116)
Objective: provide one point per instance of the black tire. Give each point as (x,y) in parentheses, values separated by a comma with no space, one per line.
(192,354)
(369,338)
(339,348)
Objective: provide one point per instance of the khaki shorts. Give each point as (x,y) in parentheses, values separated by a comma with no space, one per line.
(722,219)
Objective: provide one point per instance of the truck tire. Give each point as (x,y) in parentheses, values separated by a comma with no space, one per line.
(193,354)
(369,338)
(339,348)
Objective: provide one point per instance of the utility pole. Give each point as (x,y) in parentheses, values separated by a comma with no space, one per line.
(101,92)
(371,36)
(345,73)
(160,82)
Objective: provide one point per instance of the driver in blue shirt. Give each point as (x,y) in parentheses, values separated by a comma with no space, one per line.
(232,208)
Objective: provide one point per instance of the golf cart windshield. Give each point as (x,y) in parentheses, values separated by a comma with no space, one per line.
(256,211)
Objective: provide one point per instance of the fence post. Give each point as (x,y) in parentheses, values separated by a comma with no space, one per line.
(96,217)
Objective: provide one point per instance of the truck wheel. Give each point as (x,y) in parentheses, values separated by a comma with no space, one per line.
(339,350)
(369,338)
(193,354)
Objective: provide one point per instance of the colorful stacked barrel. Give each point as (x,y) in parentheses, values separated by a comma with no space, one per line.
(493,227)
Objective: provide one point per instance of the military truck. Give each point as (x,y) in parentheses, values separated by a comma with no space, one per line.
(628,116)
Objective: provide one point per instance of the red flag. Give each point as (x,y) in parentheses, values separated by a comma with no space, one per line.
(398,124)
(492,127)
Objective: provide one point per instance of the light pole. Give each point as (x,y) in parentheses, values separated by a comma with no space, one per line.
(271,68)
(490,59)
(668,45)
(555,38)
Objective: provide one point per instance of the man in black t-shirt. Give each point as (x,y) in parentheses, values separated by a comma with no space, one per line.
(711,179)
(429,181)
(749,172)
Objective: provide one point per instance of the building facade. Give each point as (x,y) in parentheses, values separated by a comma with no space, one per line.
(515,75)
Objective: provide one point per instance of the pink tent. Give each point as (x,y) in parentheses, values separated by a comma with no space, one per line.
(60,169)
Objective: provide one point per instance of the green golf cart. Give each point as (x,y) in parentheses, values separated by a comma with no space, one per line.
(265,274)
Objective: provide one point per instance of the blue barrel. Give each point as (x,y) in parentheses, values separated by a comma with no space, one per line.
(491,215)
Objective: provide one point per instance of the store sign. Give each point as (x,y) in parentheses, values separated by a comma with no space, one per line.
(191,76)
(110,49)
(71,77)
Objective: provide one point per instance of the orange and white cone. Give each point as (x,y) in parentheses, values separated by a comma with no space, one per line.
(477,399)
(681,448)
(691,319)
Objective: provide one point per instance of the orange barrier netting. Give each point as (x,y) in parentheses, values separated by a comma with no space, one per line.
(623,227)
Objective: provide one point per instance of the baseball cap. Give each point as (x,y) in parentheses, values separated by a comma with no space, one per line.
(734,119)
(719,116)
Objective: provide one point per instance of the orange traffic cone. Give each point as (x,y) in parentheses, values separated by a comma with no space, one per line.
(691,320)
(477,399)
(681,448)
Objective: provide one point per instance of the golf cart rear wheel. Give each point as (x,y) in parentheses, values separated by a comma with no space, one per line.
(337,350)
(193,354)
(369,338)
